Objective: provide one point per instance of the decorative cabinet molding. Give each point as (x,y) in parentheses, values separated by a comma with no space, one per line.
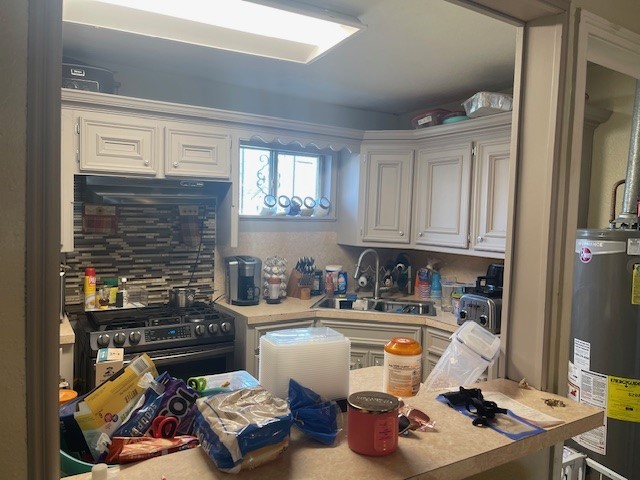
(387,194)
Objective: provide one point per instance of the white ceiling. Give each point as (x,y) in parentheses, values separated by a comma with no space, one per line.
(413,54)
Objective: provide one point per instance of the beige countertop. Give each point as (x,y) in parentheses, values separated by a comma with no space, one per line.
(296,309)
(456,450)
(67,336)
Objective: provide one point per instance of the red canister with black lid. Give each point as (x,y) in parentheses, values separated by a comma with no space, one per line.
(372,423)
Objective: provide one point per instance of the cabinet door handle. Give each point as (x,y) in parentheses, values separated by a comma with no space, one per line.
(175,164)
(480,239)
(401,233)
(420,234)
(146,162)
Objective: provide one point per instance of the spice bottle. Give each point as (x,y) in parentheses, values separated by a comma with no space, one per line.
(402,367)
(89,288)
(329,287)
(124,291)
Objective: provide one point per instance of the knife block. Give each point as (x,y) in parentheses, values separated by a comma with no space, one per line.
(299,285)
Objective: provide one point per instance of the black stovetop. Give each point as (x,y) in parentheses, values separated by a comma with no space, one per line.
(152,316)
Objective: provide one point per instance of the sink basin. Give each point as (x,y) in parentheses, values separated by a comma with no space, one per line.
(345,304)
(407,307)
(410,307)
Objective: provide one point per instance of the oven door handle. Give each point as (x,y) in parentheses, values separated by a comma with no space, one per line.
(189,356)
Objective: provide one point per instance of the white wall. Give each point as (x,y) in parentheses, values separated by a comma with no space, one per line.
(192,90)
(615,92)
(625,13)
(13,60)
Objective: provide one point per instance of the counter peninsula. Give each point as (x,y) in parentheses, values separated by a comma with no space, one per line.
(455,451)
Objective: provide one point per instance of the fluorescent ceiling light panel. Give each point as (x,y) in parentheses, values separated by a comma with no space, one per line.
(297,34)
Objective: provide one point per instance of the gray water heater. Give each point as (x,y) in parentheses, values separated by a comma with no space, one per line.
(604,357)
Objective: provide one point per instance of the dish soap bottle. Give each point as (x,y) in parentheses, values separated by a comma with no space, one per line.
(342,283)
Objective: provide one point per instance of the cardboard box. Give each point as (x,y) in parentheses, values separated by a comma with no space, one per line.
(108,362)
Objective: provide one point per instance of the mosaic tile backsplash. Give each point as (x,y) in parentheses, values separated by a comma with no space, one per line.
(152,247)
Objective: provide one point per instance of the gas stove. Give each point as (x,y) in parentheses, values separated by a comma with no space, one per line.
(155,327)
(195,340)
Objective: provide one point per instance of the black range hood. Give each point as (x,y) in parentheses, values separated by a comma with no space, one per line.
(144,191)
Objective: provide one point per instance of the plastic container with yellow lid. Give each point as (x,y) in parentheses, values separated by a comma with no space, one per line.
(402,367)
(65,395)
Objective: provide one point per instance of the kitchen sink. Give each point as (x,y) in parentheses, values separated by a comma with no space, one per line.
(345,304)
(408,307)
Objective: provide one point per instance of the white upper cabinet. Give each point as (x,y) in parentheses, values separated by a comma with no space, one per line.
(491,195)
(196,151)
(386,191)
(441,195)
(443,189)
(118,143)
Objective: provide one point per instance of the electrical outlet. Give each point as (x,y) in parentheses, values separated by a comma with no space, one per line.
(187,210)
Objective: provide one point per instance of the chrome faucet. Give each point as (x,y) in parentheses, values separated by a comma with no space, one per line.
(376,285)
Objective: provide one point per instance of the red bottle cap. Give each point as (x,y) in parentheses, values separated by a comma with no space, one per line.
(90,272)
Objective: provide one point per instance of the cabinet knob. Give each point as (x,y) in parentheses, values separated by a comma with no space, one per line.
(146,162)
(401,233)
(175,164)
(480,239)
(420,234)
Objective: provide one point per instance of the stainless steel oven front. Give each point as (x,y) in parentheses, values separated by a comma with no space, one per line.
(185,362)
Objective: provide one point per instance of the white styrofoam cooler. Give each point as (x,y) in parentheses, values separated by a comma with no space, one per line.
(316,357)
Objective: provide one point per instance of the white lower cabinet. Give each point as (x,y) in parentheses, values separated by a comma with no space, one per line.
(435,343)
(367,342)
(247,342)
(368,338)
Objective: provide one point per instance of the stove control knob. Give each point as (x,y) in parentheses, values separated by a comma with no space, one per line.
(213,328)
(103,340)
(119,339)
(483,320)
(134,337)
(200,329)
(463,314)
(225,327)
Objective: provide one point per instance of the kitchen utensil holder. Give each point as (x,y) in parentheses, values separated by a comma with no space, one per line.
(297,282)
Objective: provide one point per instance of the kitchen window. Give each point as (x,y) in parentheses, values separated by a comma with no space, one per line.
(283,182)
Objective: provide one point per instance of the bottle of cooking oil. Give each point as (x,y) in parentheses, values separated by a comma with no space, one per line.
(89,288)
(402,367)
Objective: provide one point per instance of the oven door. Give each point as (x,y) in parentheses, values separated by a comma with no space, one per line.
(186,362)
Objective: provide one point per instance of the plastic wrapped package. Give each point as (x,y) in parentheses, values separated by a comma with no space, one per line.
(487,103)
(471,351)
(243,429)
(207,385)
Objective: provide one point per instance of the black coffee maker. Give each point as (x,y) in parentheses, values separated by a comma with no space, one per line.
(243,276)
(490,285)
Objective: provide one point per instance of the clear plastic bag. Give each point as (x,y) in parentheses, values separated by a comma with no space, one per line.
(471,351)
